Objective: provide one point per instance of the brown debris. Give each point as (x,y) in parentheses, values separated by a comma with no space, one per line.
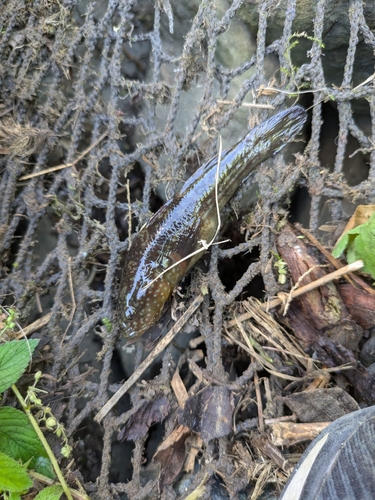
(361,215)
(21,140)
(209,412)
(362,379)
(321,318)
(149,413)
(179,389)
(195,443)
(360,304)
(323,306)
(269,449)
(291,433)
(321,405)
(302,328)
(171,455)
(320,310)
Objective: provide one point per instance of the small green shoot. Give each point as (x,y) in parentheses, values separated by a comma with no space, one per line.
(108,324)
(10,321)
(282,268)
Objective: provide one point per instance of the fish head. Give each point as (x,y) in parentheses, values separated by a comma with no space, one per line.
(143,292)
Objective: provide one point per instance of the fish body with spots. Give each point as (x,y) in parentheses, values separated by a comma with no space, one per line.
(178,228)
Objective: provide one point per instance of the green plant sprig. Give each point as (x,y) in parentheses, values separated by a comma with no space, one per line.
(51,456)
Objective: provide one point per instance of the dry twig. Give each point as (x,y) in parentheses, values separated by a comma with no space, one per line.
(150,358)
(355,266)
(64,165)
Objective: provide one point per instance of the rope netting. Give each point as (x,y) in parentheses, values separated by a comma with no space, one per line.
(105,106)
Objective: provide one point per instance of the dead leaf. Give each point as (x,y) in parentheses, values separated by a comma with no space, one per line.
(150,412)
(209,412)
(362,379)
(171,456)
(361,215)
(321,405)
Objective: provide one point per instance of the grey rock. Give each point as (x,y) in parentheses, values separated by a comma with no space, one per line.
(336,36)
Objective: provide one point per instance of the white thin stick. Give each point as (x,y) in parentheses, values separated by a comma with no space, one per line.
(217,191)
(248,104)
(368,80)
(293,92)
(354,266)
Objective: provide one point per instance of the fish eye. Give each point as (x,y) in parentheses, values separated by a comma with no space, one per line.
(130,313)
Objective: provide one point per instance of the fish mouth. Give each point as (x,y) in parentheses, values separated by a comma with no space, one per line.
(127,331)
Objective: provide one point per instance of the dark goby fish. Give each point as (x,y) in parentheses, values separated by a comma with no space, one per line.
(178,227)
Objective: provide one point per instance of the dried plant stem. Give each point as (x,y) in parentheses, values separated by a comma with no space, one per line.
(44,442)
(150,358)
(355,266)
(352,278)
(34,326)
(64,165)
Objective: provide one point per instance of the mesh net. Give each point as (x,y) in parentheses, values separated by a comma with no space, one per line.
(101,104)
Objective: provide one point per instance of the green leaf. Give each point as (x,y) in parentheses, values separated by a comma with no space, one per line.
(14,496)
(359,244)
(44,466)
(341,245)
(19,440)
(50,493)
(13,476)
(14,358)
